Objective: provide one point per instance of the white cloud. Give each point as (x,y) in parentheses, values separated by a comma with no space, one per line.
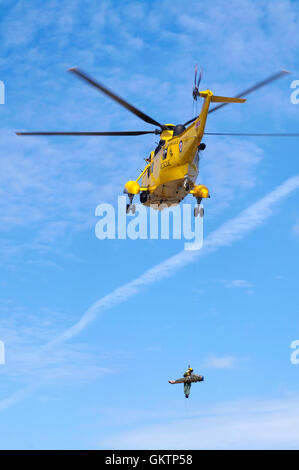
(228,233)
(42,178)
(29,361)
(226,362)
(231,231)
(42,181)
(229,168)
(250,424)
(239,283)
(296,229)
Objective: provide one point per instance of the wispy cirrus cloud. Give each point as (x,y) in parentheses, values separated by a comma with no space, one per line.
(32,180)
(238,283)
(296,229)
(46,184)
(29,361)
(247,424)
(228,233)
(217,362)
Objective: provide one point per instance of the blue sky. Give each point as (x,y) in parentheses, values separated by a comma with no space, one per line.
(94,329)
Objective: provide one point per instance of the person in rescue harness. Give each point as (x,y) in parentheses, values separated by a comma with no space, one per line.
(187,379)
(187,384)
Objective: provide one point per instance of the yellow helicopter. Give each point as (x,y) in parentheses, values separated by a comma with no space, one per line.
(172,168)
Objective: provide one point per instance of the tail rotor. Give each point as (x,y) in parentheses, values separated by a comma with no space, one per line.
(195,92)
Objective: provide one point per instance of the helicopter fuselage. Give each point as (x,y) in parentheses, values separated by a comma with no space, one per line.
(173,166)
(172,170)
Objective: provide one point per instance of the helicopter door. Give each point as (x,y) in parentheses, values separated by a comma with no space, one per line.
(150,171)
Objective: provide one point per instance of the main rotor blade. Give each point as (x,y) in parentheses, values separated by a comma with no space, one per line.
(200,76)
(249,134)
(265,82)
(258,85)
(189,122)
(115,133)
(116,98)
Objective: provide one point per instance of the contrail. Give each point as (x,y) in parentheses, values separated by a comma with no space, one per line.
(18,396)
(231,231)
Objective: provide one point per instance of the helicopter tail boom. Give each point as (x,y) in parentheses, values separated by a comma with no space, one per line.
(225,99)
(221,99)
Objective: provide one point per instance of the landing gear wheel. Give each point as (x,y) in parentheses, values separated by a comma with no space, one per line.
(199,211)
(143,197)
(130,208)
